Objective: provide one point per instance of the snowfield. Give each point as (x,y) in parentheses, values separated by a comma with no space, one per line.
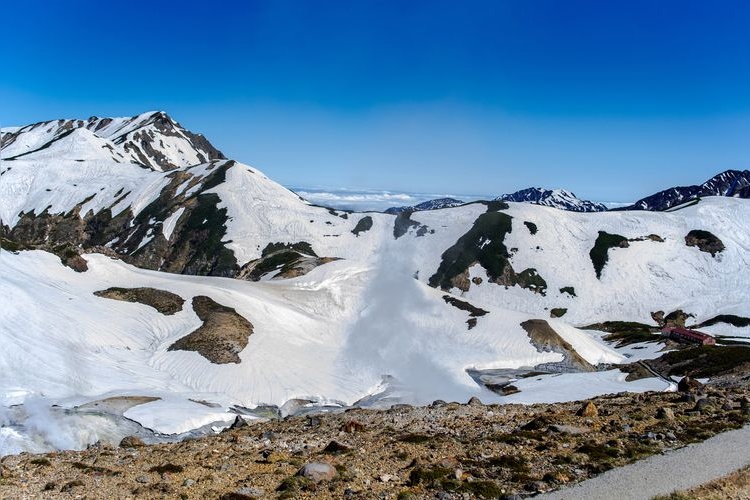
(358,327)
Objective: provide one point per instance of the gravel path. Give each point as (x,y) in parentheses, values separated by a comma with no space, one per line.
(680,469)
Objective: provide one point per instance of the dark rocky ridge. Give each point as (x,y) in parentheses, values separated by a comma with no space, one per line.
(196,245)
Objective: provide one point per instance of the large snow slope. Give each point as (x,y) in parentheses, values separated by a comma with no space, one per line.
(348,329)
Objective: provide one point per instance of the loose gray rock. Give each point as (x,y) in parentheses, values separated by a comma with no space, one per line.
(252,492)
(317,471)
(142,479)
(569,429)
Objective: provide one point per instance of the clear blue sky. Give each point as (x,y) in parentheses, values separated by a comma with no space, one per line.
(612,100)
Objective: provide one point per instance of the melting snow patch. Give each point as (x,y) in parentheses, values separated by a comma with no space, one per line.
(171,222)
(176,415)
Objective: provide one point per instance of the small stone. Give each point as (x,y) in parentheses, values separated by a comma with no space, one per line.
(188,482)
(252,492)
(317,471)
(588,410)
(438,402)
(131,442)
(671,436)
(665,414)
(385,478)
(142,479)
(475,401)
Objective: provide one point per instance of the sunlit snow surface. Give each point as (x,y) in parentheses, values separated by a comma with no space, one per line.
(335,334)
(326,336)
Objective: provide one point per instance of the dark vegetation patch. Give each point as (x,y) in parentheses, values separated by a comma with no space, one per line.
(705,241)
(289,259)
(483,243)
(301,247)
(202,235)
(511,462)
(167,468)
(730,319)
(531,226)
(528,278)
(93,469)
(403,223)
(223,335)
(558,312)
(474,311)
(626,332)
(464,306)
(165,302)
(414,438)
(546,339)
(13,246)
(600,253)
(702,361)
(494,205)
(363,225)
(569,290)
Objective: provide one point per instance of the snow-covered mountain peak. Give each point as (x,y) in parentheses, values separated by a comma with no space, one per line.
(152,139)
(557,198)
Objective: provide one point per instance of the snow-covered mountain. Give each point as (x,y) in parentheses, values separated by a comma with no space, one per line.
(557,198)
(150,139)
(435,204)
(203,283)
(733,183)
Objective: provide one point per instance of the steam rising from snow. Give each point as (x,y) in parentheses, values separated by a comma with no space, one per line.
(400,335)
(37,426)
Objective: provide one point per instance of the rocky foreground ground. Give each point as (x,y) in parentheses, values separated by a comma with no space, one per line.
(446,450)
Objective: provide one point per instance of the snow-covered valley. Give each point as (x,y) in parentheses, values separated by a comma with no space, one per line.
(344,308)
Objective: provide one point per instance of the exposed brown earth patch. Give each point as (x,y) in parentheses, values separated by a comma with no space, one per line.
(545,339)
(223,335)
(705,241)
(163,301)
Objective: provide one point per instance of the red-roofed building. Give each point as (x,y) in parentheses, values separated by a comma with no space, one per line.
(686,336)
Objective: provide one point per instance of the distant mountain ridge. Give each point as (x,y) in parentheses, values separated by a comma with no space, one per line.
(435,204)
(734,183)
(556,198)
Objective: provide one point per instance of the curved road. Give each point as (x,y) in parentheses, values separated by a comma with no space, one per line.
(679,469)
